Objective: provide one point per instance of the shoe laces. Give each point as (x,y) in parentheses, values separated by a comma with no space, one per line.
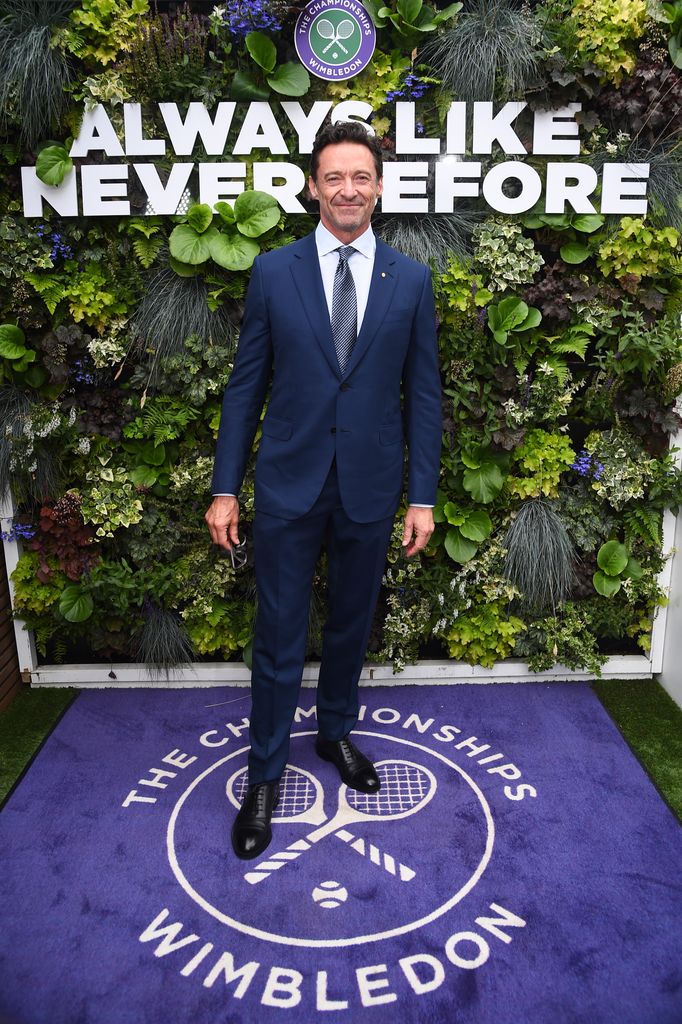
(258,797)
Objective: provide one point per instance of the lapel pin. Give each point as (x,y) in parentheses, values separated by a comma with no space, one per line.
(383,274)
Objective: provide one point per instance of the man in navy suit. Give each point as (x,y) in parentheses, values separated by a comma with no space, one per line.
(343,327)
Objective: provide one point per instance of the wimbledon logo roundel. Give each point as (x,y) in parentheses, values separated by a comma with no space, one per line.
(334,39)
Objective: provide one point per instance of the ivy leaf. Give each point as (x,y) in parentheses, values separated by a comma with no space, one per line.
(199,217)
(53,164)
(75,604)
(255,213)
(612,557)
(233,251)
(607,586)
(574,252)
(188,246)
(477,526)
(458,547)
(262,49)
(290,80)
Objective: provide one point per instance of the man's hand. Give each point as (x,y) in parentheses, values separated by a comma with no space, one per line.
(419,526)
(222,519)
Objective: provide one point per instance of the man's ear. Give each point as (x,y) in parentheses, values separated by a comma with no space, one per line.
(312,188)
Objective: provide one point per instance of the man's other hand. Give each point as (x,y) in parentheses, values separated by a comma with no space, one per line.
(419,526)
(222,519)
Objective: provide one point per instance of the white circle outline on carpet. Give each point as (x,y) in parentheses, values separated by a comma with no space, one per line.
(355,940)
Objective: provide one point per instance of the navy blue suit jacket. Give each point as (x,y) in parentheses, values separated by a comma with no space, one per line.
(389,393)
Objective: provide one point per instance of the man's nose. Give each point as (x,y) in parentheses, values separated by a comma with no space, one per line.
(348,188)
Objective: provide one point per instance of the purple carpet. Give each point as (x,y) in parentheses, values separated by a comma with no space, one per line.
(518,867)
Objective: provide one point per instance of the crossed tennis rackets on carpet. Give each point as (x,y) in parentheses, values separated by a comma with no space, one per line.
(406,788)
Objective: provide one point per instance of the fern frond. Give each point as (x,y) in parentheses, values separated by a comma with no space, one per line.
(50,289)
(644,524)
(147,249)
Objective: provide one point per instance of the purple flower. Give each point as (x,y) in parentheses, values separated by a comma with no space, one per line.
(19,531)
(244,16)
(588,465)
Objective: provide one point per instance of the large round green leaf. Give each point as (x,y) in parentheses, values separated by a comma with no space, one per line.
(183,269)
(188,246)
(458,547)
(290,80)
(245,87)
(574,252)
(153,454)
(233,251)
(53,164)
(453,514)
(12,342)
(532,320)
(588,222)
(225,212)
(199,217)
(144,476)
(633,569)
(262,49)
(612,557)
(484,484)
(477,526)
(75,604)
(255,213)
(607,586)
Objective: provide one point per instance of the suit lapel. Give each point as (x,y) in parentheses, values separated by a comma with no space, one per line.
(381,289)
(305,269)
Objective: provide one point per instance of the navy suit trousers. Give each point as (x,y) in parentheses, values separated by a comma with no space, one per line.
(286,555)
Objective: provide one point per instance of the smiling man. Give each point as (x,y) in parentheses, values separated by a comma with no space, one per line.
(343,327)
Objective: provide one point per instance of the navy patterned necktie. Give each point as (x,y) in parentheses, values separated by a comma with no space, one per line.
(344,308)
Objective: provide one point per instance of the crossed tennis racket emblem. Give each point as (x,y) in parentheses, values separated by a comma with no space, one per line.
(406,788)
(326,30)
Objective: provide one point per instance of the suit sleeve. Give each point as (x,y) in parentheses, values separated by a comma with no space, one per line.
(422,401)
(245,391)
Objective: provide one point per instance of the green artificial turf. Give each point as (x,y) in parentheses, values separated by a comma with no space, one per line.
(651,723)
(24,726)
(646,715)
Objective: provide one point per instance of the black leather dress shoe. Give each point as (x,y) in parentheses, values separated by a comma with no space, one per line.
(356,770)
(251,832)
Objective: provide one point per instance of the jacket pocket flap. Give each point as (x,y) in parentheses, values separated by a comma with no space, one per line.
(281,429)
(391,433)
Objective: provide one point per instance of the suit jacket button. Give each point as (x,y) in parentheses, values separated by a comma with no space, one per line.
(333,430)
(344,387)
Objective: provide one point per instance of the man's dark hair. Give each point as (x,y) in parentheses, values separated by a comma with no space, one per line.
(344,131)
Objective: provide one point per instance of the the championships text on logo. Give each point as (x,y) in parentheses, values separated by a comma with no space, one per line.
(334,39)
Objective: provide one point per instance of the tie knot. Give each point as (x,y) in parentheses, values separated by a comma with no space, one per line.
(345,252)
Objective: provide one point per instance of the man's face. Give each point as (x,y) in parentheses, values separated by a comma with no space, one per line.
(347,189)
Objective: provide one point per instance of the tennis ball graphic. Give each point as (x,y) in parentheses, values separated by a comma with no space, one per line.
(330,894)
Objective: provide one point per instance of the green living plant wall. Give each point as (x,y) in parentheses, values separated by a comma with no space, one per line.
(559,344)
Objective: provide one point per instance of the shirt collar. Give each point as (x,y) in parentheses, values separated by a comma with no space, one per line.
(326,242)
